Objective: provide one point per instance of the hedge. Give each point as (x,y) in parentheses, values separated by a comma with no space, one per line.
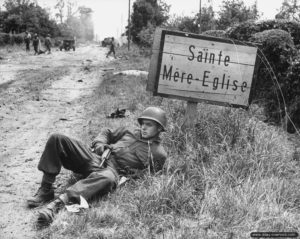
(6,38)
(246,30)
(278,87)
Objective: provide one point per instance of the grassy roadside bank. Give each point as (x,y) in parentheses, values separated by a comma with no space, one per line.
(228,177)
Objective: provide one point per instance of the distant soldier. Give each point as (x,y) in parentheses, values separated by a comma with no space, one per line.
(36,44)
(48,44)
(112,48)
(27,40)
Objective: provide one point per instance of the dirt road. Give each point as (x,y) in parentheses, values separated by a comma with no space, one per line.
(40,95)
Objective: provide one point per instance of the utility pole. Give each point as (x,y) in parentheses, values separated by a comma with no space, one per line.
(129,33)
(200,16)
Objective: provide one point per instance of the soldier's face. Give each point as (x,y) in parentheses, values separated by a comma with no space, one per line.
(149,129)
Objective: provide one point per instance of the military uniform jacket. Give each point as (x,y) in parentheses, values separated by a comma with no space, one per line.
(130,152)
(48,42)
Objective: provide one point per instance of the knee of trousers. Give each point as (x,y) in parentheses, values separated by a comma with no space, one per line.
(97,183)
(107,176)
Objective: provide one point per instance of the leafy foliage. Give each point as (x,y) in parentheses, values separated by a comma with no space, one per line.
(147,13)
(234,12)
(208,20)
(60,7)
(245,30)
(22,15)
(289,11)
(146,35)
(11,39)
(291,90)
(278,82)
(26,15)
(183,23)
(231,13)
(192,24)
(278,47)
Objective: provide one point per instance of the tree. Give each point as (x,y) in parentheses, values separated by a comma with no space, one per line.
(12,23)
(147,13)
(14,6)
(72,8)
(234,12)
(75,21)
(191,24)
(184,23)
(208,20)
(60,5)
(290,10)
(22,15)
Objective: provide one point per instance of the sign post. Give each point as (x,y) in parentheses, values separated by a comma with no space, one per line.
(199,68)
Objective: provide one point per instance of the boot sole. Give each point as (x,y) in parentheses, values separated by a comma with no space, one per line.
(45,218)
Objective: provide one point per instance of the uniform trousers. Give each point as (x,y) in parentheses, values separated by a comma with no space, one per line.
(62,151)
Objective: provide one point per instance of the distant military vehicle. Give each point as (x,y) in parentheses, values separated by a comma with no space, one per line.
(67,44)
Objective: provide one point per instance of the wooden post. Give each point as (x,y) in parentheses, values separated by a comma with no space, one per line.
(190,117)
(200,13)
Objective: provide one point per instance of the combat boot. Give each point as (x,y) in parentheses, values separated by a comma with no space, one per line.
(43,195)
(46,215)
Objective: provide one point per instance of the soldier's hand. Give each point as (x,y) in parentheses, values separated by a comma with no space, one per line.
(100,148)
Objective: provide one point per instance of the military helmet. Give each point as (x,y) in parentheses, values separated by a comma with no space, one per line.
(156,114)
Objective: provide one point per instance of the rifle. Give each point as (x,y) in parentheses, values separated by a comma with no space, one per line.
(105,156)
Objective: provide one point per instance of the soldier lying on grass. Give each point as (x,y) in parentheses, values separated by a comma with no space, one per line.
(130,152)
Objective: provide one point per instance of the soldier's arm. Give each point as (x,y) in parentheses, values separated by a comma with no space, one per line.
(107,136)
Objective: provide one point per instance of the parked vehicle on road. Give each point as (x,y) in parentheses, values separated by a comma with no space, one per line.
(67,44)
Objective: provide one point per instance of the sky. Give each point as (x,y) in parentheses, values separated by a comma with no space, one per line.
(111,16)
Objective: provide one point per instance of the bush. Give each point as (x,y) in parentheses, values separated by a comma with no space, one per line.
(279,42)
(245,31)
(291,90)
(146,36)
(18,39)
(279,49)
(5,39)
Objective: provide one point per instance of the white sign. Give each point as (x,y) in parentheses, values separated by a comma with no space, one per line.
(201,68)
